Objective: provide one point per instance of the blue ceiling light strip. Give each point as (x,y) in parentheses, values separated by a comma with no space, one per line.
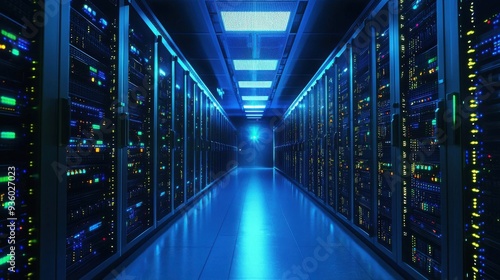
(255,84)
(245,21)
(255,98)
(255,64)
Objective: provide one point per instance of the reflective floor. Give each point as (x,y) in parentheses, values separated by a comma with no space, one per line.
(255,225)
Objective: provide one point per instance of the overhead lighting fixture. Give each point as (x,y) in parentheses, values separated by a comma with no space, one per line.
(255,84)
(254,115)
(254,106)
(254,98)
(255,21)
(255,111)
(255,64)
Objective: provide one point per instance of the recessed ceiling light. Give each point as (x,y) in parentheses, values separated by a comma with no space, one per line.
(255,21)
(254,98)
(254,115)
(254,106)
(255,84)
(254,111)
(255,64)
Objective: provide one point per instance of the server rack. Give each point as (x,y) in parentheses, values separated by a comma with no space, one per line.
(422,110)
(141,41)
(99,176)
(480,45)
(179,131)
(197,139)
(344,134)
(20,102)
(384,142)
(362,132)
(190,118)
(331,137)
(165,137)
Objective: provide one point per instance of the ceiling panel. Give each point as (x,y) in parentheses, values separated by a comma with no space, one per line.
(195,26)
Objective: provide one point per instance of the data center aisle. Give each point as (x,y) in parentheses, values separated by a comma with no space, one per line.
(254,225)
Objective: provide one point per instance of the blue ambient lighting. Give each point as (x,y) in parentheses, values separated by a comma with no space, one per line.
(255,64)
(255,84)
(254,133)
(254,98)
(254,106)
(255,21)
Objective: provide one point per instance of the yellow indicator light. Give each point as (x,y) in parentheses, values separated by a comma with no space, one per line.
(476,235)
(476,215)
(476,191)
(474,142)
(97,150)
(471,51)
(475,226)
(472,76)
(472,88)
(470,32)
(474,131)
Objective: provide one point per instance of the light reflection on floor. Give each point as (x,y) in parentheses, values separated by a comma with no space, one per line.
(255,225)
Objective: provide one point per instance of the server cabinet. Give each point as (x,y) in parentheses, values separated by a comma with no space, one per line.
(189,148)
(311,140)
(91,190)
(139,202)
(302,140)
(384,142)
(320,139)
(344,134)
(179,134)
(479,116)
(165,138)
(362,130)
(331,137)
(203,135)
(20,100)
(197,139)
(207,130)
(421,151)
(208,141)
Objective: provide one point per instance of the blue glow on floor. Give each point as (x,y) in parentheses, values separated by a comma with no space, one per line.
(254,225)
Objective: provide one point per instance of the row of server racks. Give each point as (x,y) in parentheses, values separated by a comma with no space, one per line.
(397,135)
(106,134)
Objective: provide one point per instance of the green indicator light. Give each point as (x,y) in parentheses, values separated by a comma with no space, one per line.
(4,260)
(99,83)
(99,142)
(454,110)
(139,133)
(434,122)
(8,135)
(93,69)
(96,180)
(9,35)
(8,101)
(4,179)
(15,52)
(432,60)
(96,126)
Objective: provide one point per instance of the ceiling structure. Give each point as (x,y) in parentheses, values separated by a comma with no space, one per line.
(256,56)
